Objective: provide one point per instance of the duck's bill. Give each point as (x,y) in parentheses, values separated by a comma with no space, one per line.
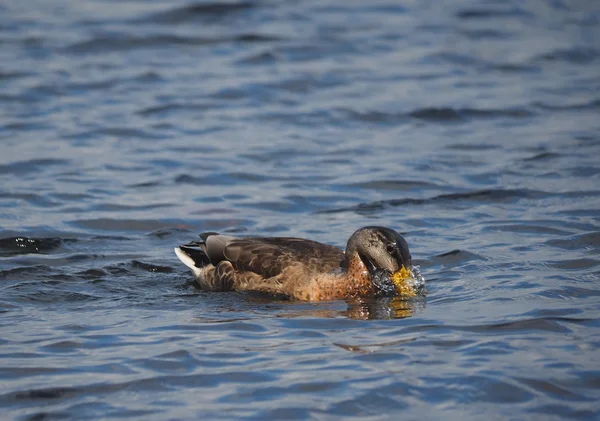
(409,283)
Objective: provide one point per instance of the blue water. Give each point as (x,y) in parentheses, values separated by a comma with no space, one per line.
(127,127)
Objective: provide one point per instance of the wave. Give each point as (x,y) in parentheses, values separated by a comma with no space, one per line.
(105,44)
(439,114)
(200,11)
(489,195)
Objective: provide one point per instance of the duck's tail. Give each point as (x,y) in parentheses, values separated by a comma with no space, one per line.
(194,256)
(197,254)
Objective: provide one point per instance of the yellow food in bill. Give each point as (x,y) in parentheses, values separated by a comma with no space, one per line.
(402,279)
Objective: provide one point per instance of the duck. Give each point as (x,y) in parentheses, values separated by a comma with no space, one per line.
(376,262)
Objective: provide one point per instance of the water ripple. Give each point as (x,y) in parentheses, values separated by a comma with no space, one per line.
(24,245)
(483,196)
(208,12)
(130,127)
(30,166)
(108,44)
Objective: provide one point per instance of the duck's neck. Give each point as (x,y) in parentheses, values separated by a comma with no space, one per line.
(357,278)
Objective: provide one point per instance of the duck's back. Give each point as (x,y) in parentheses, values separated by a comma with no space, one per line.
(270,256)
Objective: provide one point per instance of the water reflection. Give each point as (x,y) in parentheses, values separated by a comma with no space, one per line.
(376,308)
(384,308)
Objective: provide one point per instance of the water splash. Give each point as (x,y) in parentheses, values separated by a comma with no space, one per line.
(418,281)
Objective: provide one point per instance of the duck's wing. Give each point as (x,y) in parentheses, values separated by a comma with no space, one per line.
(268,257)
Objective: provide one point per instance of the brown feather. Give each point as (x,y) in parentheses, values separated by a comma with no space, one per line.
(268,257)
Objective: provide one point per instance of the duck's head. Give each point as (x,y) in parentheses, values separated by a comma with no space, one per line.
(385,255)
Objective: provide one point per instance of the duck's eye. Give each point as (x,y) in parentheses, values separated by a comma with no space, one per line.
(390,247)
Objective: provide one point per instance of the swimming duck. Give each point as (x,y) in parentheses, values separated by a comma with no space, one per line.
(376,262)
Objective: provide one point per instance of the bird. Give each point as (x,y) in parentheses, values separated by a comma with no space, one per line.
(376,262)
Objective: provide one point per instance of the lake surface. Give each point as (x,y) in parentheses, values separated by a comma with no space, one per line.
(128,127)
